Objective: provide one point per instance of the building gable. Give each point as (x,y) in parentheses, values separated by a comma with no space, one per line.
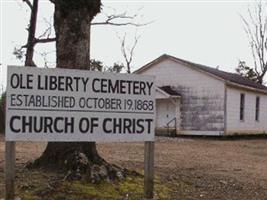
(232,79)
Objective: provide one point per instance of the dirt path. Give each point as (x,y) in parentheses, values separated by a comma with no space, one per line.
(198,168)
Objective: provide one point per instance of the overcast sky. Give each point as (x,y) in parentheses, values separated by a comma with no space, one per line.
(205,32)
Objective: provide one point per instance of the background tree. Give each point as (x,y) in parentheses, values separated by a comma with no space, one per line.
(127,50)
(96,65)
(116,68)
(255,26)
(246,71)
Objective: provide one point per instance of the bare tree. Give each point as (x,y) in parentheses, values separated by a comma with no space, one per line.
(255,26)
(113,19)
(31,41)
(128,50)
(31,34)
(72,50)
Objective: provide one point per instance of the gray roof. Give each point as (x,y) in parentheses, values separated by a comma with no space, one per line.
(231,77)
(168,89)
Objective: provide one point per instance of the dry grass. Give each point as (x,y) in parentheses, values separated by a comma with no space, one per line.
(193,168)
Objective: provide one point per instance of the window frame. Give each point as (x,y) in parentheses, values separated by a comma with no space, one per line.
(257,109)
(242,107)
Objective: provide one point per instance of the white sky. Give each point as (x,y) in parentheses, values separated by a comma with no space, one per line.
(205,32)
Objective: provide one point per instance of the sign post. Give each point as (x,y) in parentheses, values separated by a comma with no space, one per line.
(67,105)
(149,170)
(10,170)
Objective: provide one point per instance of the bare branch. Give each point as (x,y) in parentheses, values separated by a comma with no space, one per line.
(45,40)
(28,3)
(48,31)
(136,38)
(128,52)
(112,20)
(24,46)
(120,24)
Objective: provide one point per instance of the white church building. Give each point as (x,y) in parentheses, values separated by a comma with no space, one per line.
(193,99)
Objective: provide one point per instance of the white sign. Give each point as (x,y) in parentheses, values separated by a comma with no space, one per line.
(78,105)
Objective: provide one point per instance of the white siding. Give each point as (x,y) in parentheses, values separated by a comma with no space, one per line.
(172,73)
(202,102)
(249,125)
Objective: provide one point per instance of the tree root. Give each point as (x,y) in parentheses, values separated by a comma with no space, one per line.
(77,166)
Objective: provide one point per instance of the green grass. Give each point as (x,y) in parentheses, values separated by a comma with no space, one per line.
(37,185)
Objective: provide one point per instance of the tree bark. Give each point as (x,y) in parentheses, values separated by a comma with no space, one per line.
(72,27)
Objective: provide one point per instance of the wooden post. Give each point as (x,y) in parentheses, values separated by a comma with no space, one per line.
(149,170)
(10,170)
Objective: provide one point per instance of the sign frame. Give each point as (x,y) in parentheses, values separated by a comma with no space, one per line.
(96,106)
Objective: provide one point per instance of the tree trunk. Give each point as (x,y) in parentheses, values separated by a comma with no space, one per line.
(72,26)
(31,35)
